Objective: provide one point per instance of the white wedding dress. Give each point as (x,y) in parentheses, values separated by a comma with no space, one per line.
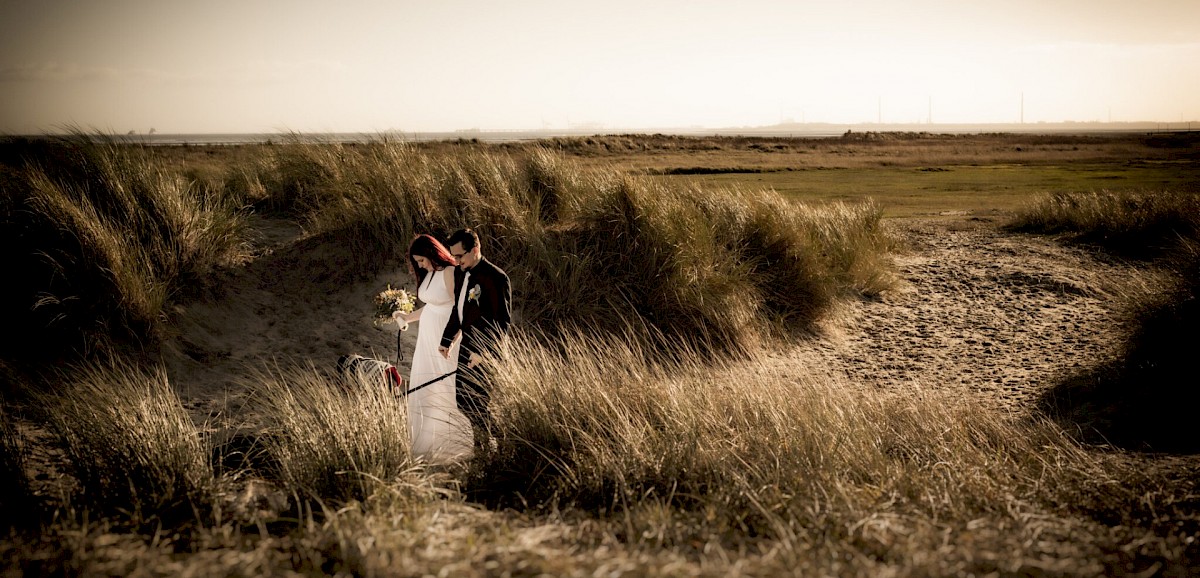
(440,432)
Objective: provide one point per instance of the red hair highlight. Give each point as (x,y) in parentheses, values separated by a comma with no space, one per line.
(429,247)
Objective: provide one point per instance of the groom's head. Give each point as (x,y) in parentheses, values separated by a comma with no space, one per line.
(464,247)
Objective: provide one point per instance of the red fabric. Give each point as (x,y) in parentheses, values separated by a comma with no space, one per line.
(394,376)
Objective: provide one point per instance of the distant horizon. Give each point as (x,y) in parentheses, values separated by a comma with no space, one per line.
(370,66)
(794,129)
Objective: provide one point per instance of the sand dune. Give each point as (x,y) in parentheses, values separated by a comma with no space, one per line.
(997,316)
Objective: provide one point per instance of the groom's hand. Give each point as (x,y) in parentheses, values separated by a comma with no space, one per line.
(476,359)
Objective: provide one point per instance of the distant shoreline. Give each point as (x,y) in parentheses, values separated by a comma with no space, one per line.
(791,130)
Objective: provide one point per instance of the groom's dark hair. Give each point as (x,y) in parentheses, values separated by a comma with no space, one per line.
(467,237)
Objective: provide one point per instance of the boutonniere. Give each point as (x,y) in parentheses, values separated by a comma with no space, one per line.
(473,294)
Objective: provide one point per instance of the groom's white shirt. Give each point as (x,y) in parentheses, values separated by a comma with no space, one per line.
(462,295)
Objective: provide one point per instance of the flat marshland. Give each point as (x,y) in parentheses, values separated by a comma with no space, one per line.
(879,354)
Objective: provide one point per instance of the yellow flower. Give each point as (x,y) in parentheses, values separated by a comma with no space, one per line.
(391,300)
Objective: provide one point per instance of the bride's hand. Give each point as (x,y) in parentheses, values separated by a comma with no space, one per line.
(401,319)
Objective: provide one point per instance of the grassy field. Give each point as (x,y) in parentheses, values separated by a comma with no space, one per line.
(614,455)
(953,190)
(921,175)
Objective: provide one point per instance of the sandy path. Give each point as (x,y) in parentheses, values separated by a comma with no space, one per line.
(994,315)
(280,310)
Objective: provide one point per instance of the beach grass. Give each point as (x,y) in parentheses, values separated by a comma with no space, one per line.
(709,263)
(610,459)
(119,234)
(105,237)
(133,451)
(19,503)
(329,441)
(614,454)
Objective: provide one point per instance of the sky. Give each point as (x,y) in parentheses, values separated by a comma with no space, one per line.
(252,66)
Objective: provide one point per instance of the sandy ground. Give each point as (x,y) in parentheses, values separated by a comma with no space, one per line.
(991,314)
(996,316)
(278,311)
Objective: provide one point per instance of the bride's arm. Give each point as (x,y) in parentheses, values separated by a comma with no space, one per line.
(449,273)
(414,316)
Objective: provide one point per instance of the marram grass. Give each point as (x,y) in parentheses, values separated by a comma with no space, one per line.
(591,247)
(1138,223)
(1142,399)
(123,234)
(609,424)
(797,461)
(105,235)
(19,504)
(609,457)
(131,447)
(331,441)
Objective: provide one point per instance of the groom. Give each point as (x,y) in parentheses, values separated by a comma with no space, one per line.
(482,312)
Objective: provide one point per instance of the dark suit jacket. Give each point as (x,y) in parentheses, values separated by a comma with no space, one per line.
(487,311)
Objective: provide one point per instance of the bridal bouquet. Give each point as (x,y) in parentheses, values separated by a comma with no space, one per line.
(390,301)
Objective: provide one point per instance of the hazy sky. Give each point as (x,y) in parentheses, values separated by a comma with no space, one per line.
(430,65)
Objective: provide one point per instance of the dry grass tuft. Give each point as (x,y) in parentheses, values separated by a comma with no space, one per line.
(132,448)
(330,442)
(1139,224)
(615,454)
(19,505)
(684,454)
(610,457)
(592,248)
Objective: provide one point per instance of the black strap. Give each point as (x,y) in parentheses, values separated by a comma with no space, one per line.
(432,381)
(399,350)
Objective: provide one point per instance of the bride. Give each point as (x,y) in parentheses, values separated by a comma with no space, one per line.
(440,432)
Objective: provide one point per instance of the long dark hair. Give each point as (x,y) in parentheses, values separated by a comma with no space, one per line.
(430,248)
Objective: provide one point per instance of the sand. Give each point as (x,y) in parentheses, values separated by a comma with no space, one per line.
(990,314)
(997,316)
